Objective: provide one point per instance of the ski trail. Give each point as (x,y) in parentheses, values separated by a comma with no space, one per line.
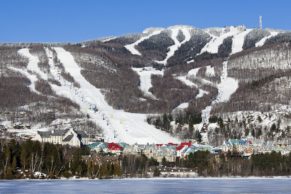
(263,40)
(68,90)
(177,44)
(186,81)
(201,93)
(238,41)
(131,47)
(226,88)
(32,78)
(32,71)
(33,63)
(145,76)
(117,125)
(213,45)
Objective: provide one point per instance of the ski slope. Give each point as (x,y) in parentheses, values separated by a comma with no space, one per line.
(238,41)
(145,76)
(32,71)
(174,35)
(186,81)
(226,88)
(33,63)
(213,45)
(118,126)
(32,78)
(148,33)
(263,40)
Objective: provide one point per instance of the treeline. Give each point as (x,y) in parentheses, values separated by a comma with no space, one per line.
(188,119)
(231,164)
(137,165)
(28,159)
(25,159)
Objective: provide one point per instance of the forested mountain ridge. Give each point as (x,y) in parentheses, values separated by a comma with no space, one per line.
(117,87)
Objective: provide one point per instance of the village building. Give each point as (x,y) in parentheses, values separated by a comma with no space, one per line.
(182,148)
(115,148)
(135,149)
(69,137)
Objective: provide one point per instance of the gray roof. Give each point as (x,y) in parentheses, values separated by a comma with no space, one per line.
(47,134)
(52,133)
(68,138)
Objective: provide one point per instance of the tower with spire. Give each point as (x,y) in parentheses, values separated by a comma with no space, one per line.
(261,22)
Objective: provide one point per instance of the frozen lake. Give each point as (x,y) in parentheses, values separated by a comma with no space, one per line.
(161,186)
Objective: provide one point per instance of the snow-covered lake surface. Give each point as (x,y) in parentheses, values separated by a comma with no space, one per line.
(146,186)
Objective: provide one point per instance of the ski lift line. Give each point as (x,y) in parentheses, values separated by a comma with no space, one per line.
(76,92)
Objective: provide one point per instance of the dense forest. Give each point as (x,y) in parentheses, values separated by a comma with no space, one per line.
(29,159)
(231,164)
(25,159)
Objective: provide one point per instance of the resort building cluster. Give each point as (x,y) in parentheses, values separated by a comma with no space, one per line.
(244,147)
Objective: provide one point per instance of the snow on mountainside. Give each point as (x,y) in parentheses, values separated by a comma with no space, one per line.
(175,30)
(117,124)
(226,88)
(119,82)
(146,34)
(263,40)
(145,75)
(213,45)
(238,41)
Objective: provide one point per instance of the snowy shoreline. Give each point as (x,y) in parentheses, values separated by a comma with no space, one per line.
(158,178)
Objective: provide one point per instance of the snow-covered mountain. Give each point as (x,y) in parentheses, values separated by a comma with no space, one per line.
(111,87)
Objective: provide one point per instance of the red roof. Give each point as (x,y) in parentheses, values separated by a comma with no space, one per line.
(159,145)
(183,144)
(114,146)
(172,144)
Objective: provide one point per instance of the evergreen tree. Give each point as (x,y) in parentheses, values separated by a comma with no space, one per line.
(157,172)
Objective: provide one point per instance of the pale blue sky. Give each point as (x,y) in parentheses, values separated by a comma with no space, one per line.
(77,20)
